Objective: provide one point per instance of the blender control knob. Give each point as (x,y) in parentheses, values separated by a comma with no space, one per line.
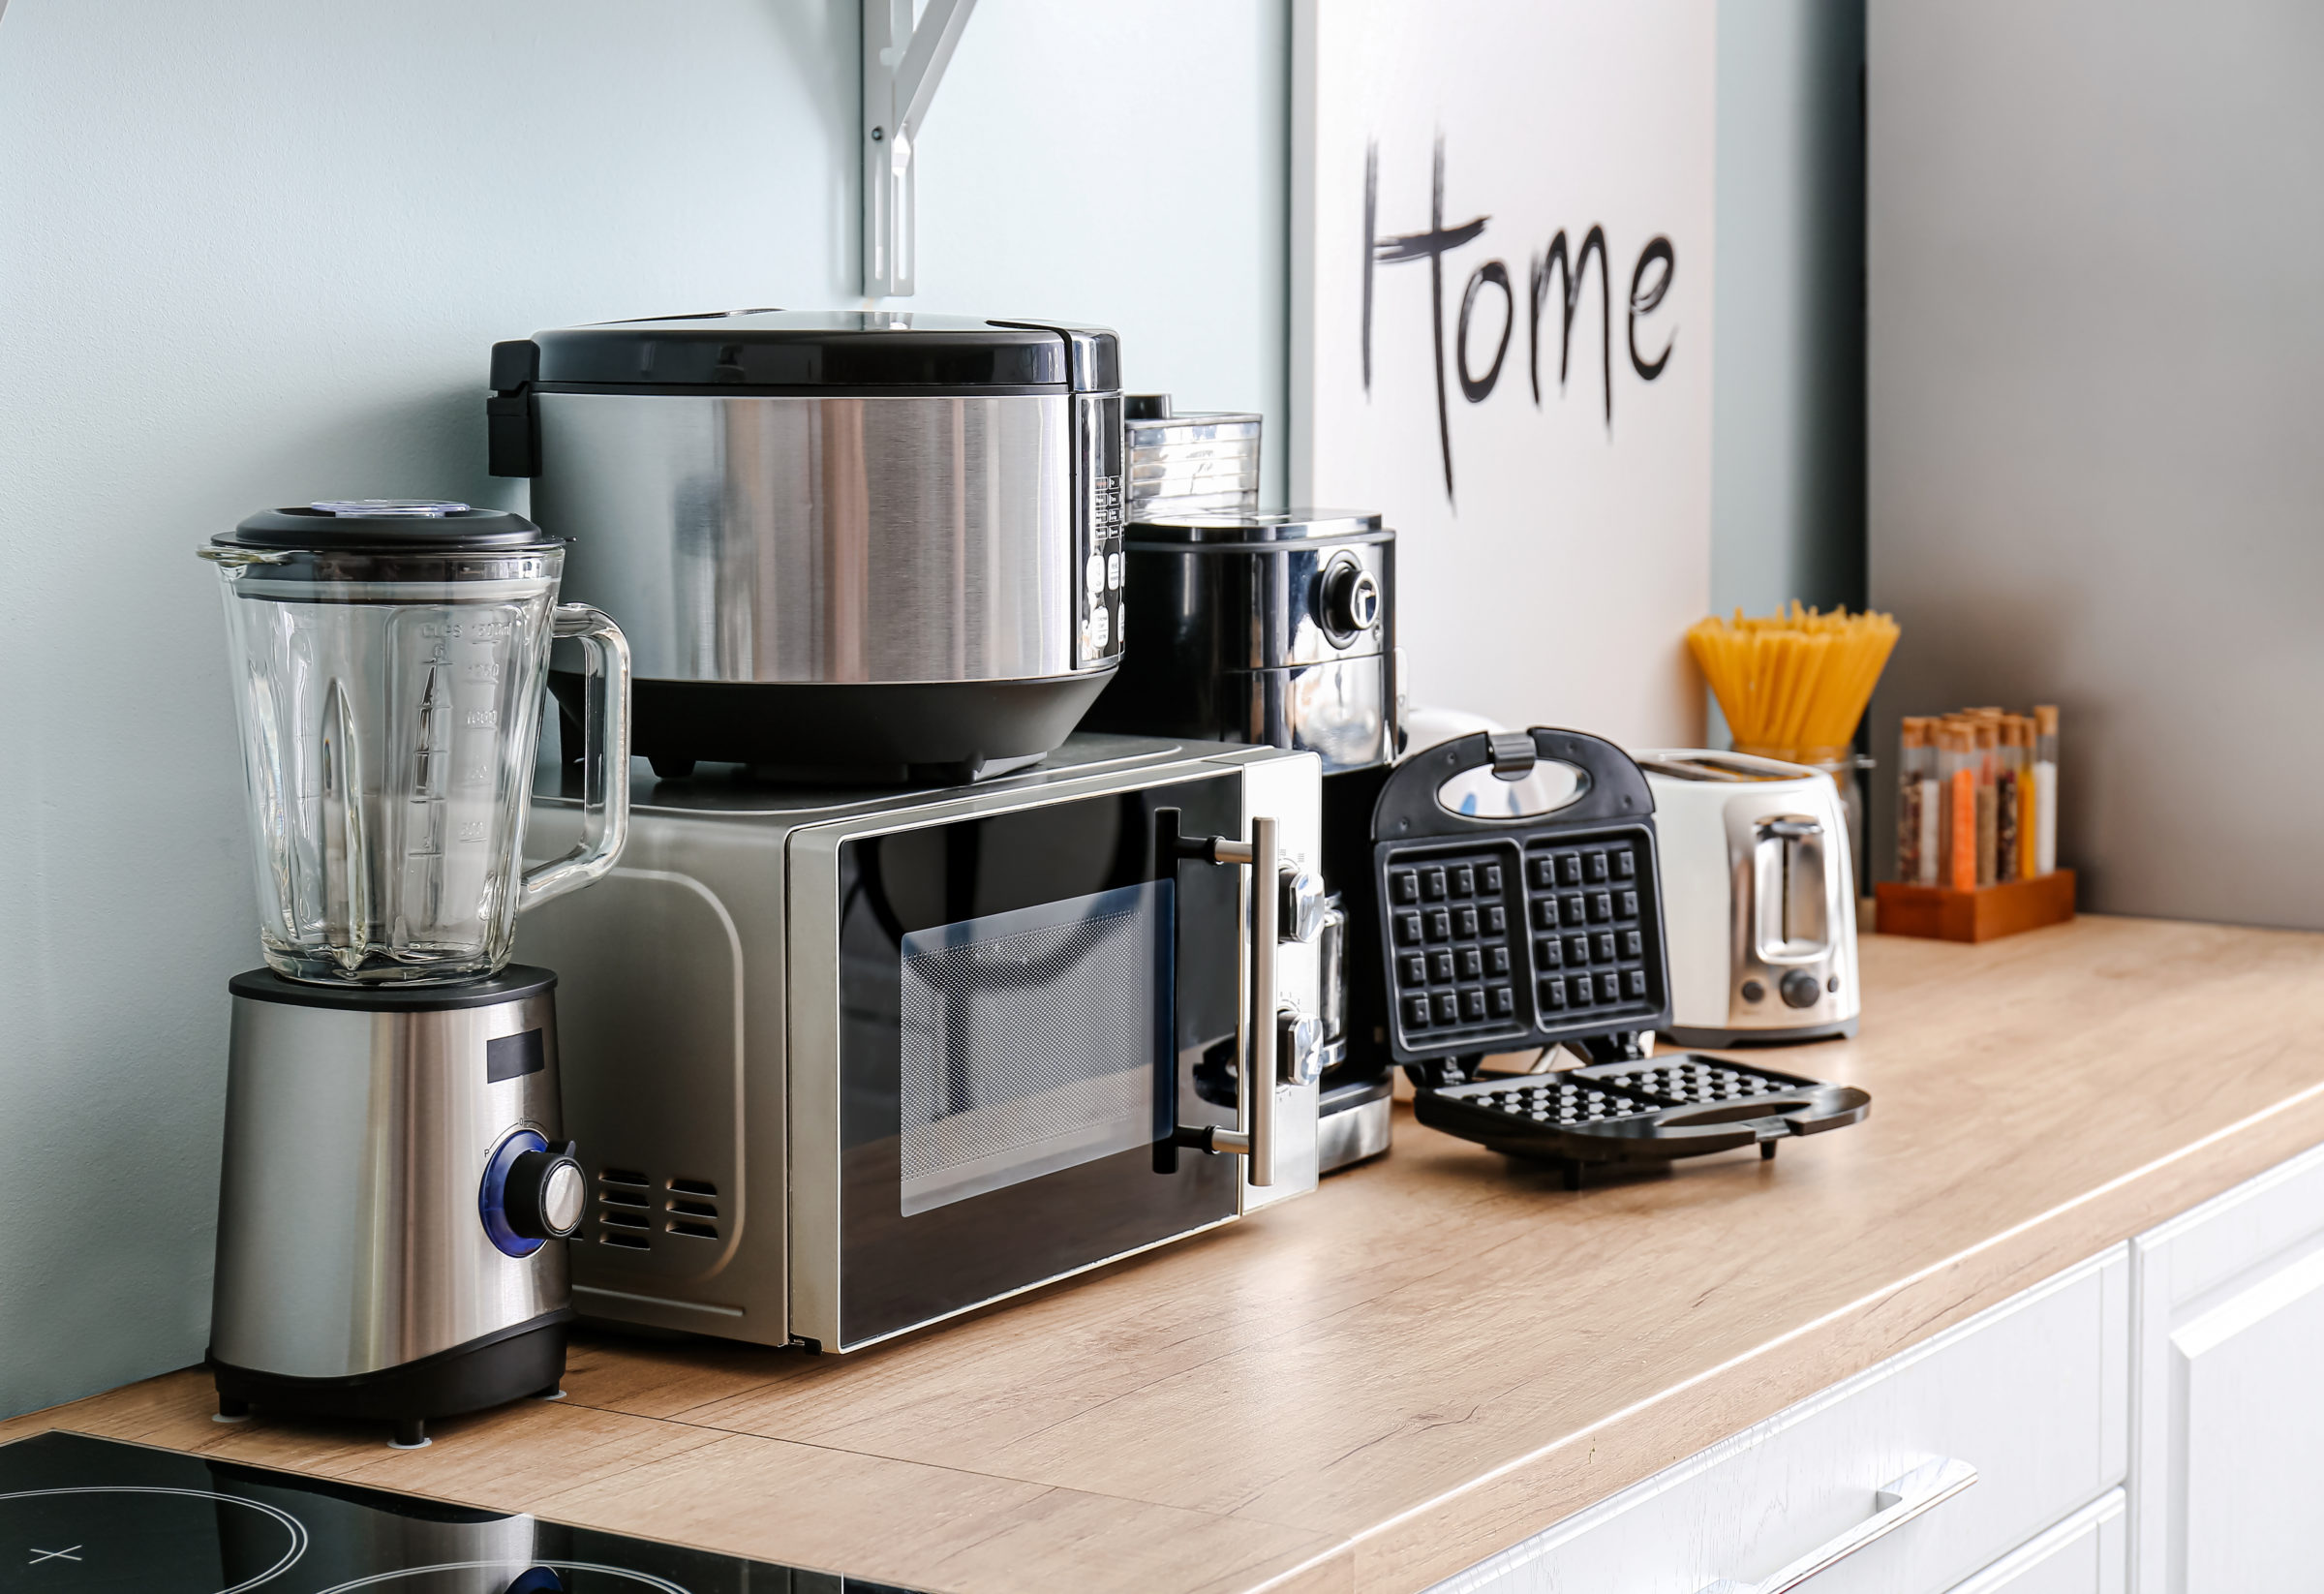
(1801,989)
(545,1193)
(1351,600)
(1300,906)
(1298,1046)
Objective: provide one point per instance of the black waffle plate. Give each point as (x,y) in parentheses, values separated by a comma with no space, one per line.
(1651,1111)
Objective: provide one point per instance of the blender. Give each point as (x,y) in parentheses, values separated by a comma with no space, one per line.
(394,1182)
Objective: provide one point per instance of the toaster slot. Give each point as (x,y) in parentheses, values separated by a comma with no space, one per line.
(1791,902)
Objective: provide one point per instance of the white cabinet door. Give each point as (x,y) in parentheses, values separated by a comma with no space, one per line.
(2228,1432)
(2033,1394)
(2084,1554)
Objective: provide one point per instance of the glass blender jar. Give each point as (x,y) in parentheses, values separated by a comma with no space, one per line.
(388,660)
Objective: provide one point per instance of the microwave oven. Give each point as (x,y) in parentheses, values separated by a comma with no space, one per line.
(843,1065)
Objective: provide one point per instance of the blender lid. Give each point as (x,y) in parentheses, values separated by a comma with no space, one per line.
(1256,525)
(812,348)
(387,525)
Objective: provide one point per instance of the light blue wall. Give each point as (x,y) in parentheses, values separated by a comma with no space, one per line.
(254,252)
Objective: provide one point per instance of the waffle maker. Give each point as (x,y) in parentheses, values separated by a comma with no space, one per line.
(1503,933)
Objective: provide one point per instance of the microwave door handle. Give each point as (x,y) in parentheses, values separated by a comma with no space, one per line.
(1254,1134)
(1259,1013)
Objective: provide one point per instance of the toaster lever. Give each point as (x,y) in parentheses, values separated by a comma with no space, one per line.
(1789,829)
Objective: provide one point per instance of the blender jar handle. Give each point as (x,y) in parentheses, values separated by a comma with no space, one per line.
(604,760)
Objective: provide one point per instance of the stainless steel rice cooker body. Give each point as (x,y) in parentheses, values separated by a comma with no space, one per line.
(844,544)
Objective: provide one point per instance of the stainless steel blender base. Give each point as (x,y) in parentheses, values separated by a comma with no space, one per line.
(492,1372)
(356,1271)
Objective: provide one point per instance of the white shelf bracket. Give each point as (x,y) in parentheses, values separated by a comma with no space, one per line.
(903,64)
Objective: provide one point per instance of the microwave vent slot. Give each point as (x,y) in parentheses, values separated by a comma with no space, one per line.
(690,1208)
(625,1209)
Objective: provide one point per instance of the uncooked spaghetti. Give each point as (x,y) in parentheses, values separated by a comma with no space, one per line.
(1794,686)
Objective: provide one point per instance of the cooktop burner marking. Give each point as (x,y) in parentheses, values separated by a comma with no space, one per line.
(298,1529)
(39,1555)
(647,1578)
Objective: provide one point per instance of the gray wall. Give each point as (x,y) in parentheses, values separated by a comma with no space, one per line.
(1787,385)
(254,252)
(2095,466)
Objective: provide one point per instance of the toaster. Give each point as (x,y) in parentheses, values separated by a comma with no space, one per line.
(1760,916)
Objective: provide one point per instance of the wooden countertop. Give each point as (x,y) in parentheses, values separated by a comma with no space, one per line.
(1440,1353)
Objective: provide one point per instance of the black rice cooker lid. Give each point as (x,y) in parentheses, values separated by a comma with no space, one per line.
(385,525)
(812,348)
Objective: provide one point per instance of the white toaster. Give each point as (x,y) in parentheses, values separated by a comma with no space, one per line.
(1759,909)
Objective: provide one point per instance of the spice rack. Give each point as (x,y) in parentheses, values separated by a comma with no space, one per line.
(1984,913)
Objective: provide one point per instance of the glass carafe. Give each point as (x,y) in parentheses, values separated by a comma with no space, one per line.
(388,660)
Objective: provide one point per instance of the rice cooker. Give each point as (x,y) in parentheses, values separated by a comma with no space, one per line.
(857,545)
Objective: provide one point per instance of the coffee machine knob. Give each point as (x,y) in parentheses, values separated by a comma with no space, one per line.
(1350,601)
(1299,1045)
(545,1193)
(1300,909)
(1801,989)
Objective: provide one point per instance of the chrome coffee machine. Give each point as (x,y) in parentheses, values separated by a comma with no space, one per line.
(1277,629)
(396,1187)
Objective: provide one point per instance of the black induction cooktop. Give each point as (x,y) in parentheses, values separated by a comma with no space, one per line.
(79,1516)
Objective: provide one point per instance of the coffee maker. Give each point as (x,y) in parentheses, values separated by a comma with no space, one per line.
(1277,629)
(394,1187)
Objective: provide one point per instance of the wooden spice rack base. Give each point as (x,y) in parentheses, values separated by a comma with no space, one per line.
(1936,912)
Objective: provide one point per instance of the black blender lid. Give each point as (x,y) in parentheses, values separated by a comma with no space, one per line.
(812,348)
(1256,525)
(387,525)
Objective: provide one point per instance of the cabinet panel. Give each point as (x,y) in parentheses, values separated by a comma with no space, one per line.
(2084,1554)
(2248,1389)
(2032,1393)
(2229,1394)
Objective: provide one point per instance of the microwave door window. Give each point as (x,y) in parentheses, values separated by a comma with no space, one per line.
(1033,1041)
(1027,1004)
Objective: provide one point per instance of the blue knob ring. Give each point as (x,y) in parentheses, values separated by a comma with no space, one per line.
(492,1197)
